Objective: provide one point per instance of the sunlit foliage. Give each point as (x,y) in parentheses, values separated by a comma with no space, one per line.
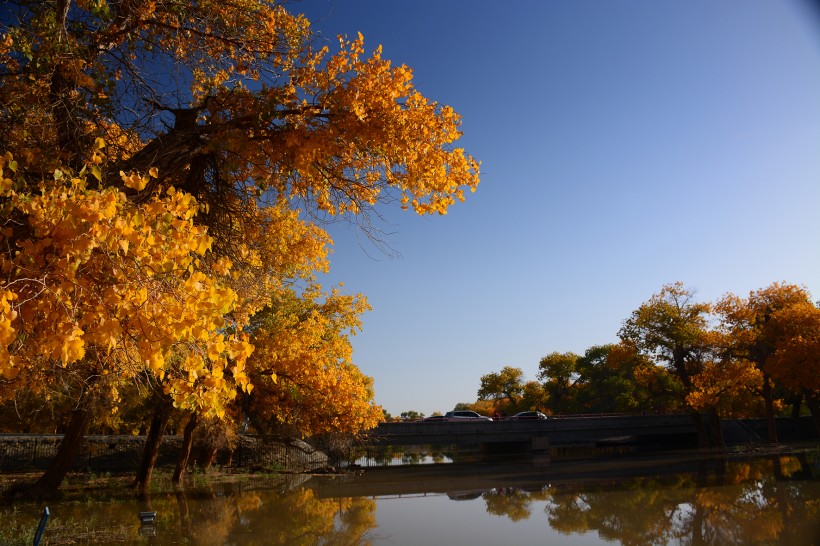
(302,366)
(111,287)
(773,320)
(167,166)
(679,354)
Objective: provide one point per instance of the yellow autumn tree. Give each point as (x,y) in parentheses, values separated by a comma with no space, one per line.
(220,137)
(726,386)
(305,380)
(795,363)
(260,110)
(749,326)
(100,291)
(101,274)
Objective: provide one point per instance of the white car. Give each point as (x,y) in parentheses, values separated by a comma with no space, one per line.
(463,415)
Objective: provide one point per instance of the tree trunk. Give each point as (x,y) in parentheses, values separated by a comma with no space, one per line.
(184,514)
(48,484)
(716,432)
(768,399)
(162,412)
(797,402)
(703,433)
(185,452)
(208,456)
(813,402)
(697,526)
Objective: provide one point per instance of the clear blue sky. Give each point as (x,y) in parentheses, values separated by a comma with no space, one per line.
(624,145)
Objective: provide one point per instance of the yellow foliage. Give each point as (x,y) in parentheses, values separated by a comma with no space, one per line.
(134,254)
(720,385)
(777,328)
(73,285)
(301,366)
(796,359)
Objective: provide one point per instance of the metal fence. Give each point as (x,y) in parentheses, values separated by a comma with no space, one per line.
(24,453)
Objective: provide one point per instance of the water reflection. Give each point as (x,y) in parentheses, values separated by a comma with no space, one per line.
(399,459)
(228,514)
(772,500)
(765,501)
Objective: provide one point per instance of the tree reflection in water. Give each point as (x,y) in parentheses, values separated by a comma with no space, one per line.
(292,518)
(773,500)
(724,503)
(210,517)
(512,502)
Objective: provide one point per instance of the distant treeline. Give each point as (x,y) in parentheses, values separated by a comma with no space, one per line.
(757,356)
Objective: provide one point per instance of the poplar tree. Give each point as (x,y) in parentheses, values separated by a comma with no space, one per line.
(166,169)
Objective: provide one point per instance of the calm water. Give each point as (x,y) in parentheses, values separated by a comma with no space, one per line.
(678,499)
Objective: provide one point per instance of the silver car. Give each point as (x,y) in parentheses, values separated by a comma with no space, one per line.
(464,415)
(526,415)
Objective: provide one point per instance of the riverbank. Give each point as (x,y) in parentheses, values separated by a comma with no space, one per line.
(102,454)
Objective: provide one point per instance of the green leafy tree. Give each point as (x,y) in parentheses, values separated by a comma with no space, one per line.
(505,388)
(608,386)
(559,375)
(659,390)
(534,397)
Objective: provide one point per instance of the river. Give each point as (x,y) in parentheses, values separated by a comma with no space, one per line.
(682,498)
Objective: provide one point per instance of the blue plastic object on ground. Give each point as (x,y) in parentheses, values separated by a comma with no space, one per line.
(41,527)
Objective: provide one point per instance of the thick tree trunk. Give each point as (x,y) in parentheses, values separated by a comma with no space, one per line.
(185,452)
(208,456)
(47,486)
(162,412)
(170,153)
(768,399)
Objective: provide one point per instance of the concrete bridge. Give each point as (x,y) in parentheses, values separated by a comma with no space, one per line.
(587,431)
(537,435)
